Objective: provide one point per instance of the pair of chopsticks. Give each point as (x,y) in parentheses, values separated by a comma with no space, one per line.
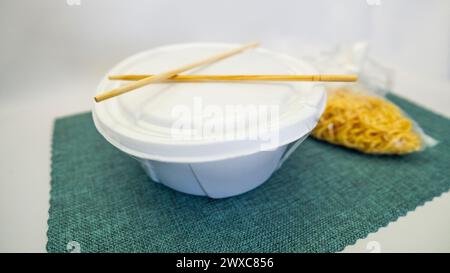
(172,76)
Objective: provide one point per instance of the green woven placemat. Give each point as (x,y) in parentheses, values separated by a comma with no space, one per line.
(323,198)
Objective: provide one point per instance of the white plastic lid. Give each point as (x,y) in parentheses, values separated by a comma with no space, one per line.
(141,122)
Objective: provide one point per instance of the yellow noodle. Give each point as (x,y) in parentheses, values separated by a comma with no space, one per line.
(366,123)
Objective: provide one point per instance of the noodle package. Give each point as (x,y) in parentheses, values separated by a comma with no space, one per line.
(358,116)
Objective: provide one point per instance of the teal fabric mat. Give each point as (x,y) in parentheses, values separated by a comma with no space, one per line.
(323,199)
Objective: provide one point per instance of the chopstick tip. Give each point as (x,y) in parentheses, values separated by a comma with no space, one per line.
(254,44)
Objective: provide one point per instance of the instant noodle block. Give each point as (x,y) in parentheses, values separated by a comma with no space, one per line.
(367,123)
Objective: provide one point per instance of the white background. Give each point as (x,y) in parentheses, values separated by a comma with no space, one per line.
(52,55)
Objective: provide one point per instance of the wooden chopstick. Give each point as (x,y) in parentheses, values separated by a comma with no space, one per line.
(168,74)
(208,78)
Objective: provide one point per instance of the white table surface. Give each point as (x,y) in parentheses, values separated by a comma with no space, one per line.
(53,53)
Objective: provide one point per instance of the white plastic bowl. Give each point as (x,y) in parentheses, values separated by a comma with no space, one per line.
(140,123)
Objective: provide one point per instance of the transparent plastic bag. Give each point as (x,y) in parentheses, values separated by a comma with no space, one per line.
(358,115)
